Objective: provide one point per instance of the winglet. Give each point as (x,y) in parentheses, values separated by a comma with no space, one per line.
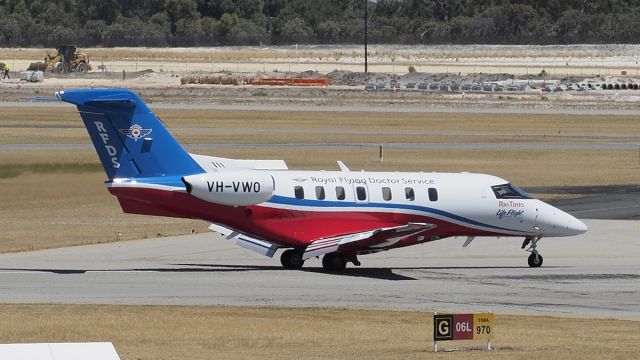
(343,167)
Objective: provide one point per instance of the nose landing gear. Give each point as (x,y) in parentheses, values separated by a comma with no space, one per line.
(535,259)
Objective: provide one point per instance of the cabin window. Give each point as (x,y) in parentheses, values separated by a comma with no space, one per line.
(510,191)
(340,195)
(409,194)
(320,192)
(433,194)
(386,193)
(299,191)
(361,192)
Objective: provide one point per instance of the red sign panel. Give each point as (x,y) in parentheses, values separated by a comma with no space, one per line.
(462,327)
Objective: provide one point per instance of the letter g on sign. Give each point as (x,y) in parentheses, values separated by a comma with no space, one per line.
(442,327)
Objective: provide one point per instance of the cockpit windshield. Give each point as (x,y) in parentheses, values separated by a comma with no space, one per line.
(510,191)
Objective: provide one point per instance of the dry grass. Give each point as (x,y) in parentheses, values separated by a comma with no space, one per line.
(55,156)
(376,53)
(193,54)
(557,124)
(377,121)
(524,167)
(33,182)
(55,210)
(185,332)
(63,125)
(216,136)
(578,60)
(39,117)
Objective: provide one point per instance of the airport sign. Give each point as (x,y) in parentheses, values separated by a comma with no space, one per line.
(447,327)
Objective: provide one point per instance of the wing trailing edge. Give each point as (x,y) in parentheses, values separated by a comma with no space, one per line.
(372,240)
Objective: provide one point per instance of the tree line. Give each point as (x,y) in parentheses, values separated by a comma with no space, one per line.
(261,22)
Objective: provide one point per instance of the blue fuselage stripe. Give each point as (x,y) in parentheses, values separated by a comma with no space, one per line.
(277,199)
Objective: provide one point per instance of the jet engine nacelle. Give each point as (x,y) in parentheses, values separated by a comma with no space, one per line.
(235,188)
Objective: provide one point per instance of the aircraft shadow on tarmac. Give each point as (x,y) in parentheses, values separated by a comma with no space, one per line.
(367,272)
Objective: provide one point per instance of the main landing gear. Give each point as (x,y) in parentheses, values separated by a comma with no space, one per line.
(334,262)
(535,259)
(331,262)
(291,259)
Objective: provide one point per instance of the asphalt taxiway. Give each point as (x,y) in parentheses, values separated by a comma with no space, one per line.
(613,202)
(594,274)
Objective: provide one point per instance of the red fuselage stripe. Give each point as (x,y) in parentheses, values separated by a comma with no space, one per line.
(295,228)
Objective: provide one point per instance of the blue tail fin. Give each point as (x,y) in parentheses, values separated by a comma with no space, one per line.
(130,140)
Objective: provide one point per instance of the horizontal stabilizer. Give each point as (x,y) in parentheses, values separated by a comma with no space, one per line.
(42,98)
(213,163)
(113,104)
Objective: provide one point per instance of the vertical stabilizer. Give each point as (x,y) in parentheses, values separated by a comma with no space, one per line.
(129,139)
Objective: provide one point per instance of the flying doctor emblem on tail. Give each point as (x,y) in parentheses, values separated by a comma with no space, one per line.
(136,132)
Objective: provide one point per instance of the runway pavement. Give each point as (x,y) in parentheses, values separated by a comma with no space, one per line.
(595,274)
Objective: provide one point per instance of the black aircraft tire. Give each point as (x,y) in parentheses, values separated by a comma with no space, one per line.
(291,259)
(334,262)
(535,260)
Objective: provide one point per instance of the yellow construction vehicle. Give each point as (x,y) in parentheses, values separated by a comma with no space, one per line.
(68,59)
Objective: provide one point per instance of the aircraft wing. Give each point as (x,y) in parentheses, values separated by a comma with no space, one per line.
(367,240)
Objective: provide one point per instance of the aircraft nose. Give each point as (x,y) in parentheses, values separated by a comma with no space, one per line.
(555,222)
(575,226)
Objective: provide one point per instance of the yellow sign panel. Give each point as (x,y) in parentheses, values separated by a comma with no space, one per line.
(483,326)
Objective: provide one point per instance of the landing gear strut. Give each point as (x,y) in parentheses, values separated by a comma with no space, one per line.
(535,259)
(291,259)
